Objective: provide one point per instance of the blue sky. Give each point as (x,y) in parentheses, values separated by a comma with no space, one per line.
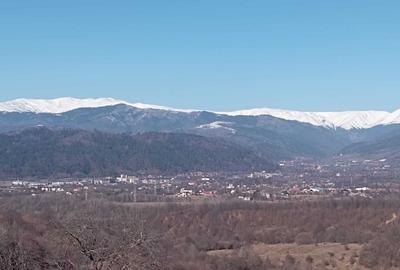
(208,54)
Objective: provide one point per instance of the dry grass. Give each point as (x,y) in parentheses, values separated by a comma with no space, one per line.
(321,256)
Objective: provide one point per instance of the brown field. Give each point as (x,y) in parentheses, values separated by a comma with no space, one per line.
(314,256)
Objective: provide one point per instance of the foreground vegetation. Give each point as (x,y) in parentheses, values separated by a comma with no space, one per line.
(61,232)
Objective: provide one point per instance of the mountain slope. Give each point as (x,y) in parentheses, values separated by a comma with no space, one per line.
(276,138)
(385,147)
(268,136)
(46,152)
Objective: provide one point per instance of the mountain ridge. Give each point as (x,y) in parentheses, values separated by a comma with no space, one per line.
(347,119)
(267,135)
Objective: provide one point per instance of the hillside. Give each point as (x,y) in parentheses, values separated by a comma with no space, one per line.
(387,147)
(46,152)
(269,136)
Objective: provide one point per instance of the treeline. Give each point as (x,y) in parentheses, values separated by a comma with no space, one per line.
(61,232)
(44,152)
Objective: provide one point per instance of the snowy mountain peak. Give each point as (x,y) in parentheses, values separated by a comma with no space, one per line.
(346,120)
(64,104)
(305,117)
(58,105)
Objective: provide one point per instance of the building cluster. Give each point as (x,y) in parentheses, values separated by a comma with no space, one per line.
(296,179)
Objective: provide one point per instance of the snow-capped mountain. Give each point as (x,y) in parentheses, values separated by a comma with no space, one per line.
(346,120)
(65,104)
(304,117)
(58,105)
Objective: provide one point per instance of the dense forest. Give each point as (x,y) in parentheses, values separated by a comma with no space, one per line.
(45,152)
(62,232)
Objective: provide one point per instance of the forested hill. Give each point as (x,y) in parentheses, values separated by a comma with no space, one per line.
(46,152)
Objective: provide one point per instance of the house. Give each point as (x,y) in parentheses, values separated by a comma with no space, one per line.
(128,179)
(185,192)
(20,183)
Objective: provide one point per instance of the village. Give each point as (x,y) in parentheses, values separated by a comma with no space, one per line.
(300,179)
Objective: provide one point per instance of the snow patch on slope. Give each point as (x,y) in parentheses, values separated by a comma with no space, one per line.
(218,125)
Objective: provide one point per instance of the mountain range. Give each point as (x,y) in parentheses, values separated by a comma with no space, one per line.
(267,135)
(345,120)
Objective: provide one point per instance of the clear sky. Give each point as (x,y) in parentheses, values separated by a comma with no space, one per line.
(205,54)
